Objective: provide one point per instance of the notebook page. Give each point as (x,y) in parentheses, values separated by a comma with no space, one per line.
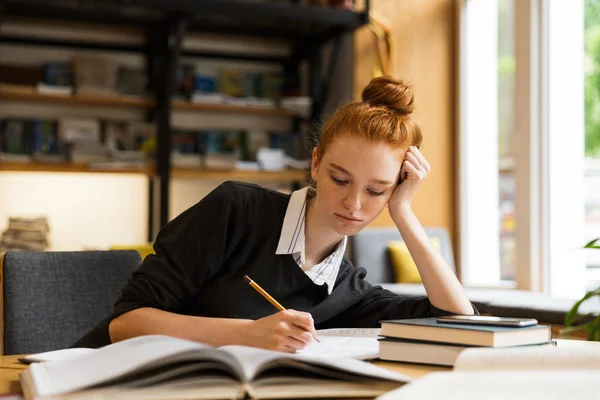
(501,385)
(521,358)
(350,332)
(360,348)
(255,361)
(358,343)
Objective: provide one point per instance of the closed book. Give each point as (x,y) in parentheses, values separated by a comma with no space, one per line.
(163,367)
(420,352)
(428,329)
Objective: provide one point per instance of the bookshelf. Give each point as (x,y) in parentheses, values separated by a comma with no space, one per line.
(149,170)
(238,175)
(28,94)
(230,108)
(163,25)
(7,166)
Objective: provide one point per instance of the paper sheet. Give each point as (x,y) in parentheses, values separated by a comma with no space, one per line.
(529,357)
(358,343)
(501,385)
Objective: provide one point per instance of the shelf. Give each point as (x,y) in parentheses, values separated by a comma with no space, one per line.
(30,95)
(25,94)
(220,175)
(235,175)
(7,166)
(268,19)
(183,105)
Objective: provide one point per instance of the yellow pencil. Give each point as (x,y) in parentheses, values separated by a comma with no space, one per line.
(266,295)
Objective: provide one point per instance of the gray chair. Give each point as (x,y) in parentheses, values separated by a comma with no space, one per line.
(51,299)
(369,251)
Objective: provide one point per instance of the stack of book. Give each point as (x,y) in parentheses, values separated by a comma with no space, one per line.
(426,341)
(25,234)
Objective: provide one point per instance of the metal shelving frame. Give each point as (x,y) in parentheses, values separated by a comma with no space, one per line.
(166,22)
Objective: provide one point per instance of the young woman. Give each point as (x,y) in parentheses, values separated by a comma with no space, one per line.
(367,158)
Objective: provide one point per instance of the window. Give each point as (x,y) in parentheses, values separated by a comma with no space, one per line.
(521,128)
(506,128)
(487,183)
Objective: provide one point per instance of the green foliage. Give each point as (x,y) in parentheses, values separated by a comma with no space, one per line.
(573,317)
(592,78)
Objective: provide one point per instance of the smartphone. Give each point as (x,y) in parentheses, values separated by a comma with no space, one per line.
(485,320)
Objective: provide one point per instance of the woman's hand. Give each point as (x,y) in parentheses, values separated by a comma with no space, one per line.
(414,170)
(287,331)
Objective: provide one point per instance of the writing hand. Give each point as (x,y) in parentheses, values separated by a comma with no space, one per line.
(287,331)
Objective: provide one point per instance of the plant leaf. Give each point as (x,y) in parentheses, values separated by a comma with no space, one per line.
(594,334)
(592,328)
(593,244)
(572,315)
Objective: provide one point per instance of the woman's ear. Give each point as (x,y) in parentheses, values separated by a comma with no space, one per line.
(314,163)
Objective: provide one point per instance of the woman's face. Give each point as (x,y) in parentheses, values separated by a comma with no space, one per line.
(355,180)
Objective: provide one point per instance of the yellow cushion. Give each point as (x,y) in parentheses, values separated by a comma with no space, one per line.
(405,269)
(143,249)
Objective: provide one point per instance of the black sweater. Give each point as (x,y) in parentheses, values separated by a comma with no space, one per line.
(203,254)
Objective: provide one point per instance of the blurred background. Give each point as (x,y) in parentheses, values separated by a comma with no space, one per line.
(116,116)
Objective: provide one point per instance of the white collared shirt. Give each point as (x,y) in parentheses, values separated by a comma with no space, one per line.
(292,241)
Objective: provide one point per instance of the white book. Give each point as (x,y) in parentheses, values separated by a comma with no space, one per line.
(163,367)
(433,353)
(568,371)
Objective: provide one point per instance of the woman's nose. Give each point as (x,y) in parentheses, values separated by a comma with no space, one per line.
(352,202)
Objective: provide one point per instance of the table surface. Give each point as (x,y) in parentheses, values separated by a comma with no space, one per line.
(10,367)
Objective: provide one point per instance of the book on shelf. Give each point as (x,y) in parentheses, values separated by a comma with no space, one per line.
(58,74)
(131,81)
(95,75)
(568,371)
(158,367)
(428,329)
(15,136)
(44,88)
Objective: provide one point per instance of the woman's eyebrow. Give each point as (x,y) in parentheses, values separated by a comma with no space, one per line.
(343,170)
(339,168)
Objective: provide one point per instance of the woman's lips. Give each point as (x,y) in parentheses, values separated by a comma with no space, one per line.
(347,219)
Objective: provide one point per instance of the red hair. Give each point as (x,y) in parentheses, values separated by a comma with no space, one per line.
(383,115)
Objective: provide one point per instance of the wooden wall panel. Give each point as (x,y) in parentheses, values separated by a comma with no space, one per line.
(423,34)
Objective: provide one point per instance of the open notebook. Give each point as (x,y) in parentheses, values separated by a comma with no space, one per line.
(562,372)
(358,343)
(158,367)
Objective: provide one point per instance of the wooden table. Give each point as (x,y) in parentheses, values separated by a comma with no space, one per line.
(10,367)
(9,374)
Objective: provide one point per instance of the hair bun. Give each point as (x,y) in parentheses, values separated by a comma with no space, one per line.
(389,92)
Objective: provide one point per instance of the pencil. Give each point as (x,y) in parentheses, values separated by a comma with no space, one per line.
(266,295)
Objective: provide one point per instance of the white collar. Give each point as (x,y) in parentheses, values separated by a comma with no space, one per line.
(292,240)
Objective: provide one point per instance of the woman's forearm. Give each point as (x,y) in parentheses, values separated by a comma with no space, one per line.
(150,321)
(442,286)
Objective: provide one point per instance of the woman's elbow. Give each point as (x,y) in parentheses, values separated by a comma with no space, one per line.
(119,327)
